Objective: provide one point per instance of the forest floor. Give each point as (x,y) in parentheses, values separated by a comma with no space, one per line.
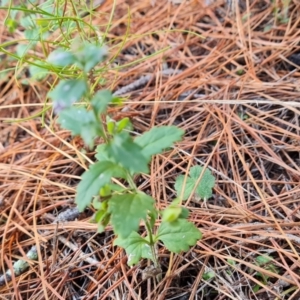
(229,76)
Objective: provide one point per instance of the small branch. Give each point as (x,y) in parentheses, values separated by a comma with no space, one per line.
(145,79)
(19,266)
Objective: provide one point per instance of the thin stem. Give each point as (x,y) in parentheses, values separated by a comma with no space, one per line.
(131,182)
(75,14)
(152,244)
(153,250)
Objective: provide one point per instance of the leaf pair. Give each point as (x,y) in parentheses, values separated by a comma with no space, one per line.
(177,236)
(120,154)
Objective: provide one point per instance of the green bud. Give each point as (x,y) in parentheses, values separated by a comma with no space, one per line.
(171,214)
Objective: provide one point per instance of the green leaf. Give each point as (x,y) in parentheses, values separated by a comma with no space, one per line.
(11,24)
(203,189)
(27,22)
(74,118)
(89,132)
(100,205)
(177,236)
(231,262)
(184,213)
(99,215)
(124,124)
(101,100)
(103,223)
(105,191)
(171,213)
(158,138)
(111,127)
(32,35)
(61,58)
(123,150)
(89,55)
(21,49)
(208,275)
(263,259)
(67,92)
(136,248)
(80,122)
(94,179)
(128,210)
(256,288)
(38,73)
(102,155)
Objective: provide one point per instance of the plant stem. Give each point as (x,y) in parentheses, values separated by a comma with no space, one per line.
(131,182)
(152,244)
(153,250)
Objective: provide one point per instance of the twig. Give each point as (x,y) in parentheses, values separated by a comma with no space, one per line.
(143,81)
(19,266)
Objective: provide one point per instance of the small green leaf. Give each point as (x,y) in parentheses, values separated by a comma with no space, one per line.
(94,179)
(123,150)
(117,100)
(38,72)
(27,22)
(100,205)
(124,124)
(101,100)
(67,92)
(208,275)
(32,35)
(22,49)
(203,189)
(11,24)
(61,58)
(158,138)
(175,211)
(105,191)
(111,127)
(263,259)
(80,122)
(73,118)
(89,132)
(89,55)
(136,248)
(256,288)
(184,213)
(99,215)
(178,235)
(171,213)
(231,262)
(128,210)
(103,222)
(102,154)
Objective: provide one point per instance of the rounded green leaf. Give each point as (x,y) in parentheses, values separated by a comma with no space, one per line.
(179,235)
(61,58)
(67,92)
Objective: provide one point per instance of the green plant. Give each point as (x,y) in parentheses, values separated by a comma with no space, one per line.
(120,156)
(83,111)
(264,261)
(200,184)
(281,12)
